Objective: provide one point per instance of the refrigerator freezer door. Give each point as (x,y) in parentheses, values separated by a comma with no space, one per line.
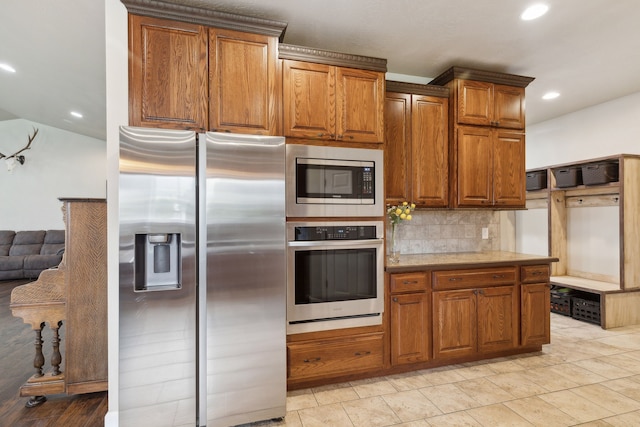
(246,282)
(157,277)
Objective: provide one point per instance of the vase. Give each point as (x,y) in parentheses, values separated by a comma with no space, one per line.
(394,250)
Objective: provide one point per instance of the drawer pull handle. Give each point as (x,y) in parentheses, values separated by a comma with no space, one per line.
(362,353)
(536,273)
(498,276)
(315,359)
(409,282)
(454,279)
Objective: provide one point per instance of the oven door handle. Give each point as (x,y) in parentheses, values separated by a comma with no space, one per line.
(335,243)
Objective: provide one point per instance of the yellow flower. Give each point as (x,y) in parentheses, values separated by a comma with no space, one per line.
(407,211)
(408,217)
(403,216)
(404,203)
(398,211)
(413,205)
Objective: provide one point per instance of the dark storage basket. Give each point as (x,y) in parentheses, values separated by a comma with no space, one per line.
(536,180)
(561,301)
(568,177)
(599,173)
(587,308)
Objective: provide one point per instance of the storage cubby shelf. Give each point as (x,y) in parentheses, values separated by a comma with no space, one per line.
(620,300)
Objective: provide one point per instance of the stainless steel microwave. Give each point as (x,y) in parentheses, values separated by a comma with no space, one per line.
(333,181)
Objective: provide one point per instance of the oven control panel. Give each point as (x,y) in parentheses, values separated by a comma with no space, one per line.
(335,232)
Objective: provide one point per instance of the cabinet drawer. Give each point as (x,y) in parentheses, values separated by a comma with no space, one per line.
(333,357)
(462,279)
(408,282)
(534,273)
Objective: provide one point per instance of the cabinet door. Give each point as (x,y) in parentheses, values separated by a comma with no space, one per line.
(497,314)
(359,105)
(397,134)
(167,74)
(429,151)
(509,175)
(508,107)
(474,167)
(309,100)
(243,80)
(475,102)
(454,324)
(535,324)
(410,328)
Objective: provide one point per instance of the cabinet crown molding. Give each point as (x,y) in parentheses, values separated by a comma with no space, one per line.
(417,89)
(186,12)
(481,75)
(320,56)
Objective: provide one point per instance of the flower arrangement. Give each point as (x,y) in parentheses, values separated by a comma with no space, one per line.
(397,214)
(400,212)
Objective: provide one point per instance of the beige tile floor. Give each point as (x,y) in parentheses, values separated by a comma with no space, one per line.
(586,377)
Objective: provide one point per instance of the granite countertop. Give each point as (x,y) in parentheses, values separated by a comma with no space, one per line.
(440,261)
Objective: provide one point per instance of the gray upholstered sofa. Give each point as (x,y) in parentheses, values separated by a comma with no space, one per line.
(24,254)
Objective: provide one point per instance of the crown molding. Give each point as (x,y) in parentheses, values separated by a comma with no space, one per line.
(418,89)
(204,16)
(307,54)
(481,75)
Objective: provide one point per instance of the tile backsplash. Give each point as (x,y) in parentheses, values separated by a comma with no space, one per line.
(448,231)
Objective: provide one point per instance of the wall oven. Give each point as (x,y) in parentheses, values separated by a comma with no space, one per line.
(335,275)
(333,181)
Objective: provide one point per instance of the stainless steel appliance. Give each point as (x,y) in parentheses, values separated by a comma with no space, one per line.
(202,278)
(334,181)
(335,275)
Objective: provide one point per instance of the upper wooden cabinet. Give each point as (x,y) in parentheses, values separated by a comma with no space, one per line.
(489,167)
(213,72)
(416,145)
(325,101)
(242,82)
(487,140)
(489,104)
(167,74)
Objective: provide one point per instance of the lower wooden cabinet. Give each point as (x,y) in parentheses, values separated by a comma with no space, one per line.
(334,357)
(471,321)
(410,330)
(535,300)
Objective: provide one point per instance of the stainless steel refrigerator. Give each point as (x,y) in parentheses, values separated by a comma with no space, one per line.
(202,278)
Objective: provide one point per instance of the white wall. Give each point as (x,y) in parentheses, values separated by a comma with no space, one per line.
(603,130)
(58,164)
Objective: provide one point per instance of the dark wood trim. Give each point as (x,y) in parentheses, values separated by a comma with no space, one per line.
(481,75)
(418,89)
(320,56)
(205,16)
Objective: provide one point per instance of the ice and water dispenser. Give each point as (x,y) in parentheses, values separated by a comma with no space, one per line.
(157,262)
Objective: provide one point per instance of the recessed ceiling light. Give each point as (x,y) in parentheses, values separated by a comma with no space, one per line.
(550,95)
(533,12)
(8,68)
(76,114)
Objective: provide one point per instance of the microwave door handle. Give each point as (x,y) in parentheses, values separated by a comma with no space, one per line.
(320,244)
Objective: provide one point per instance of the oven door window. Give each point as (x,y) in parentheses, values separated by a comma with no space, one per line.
(335,275)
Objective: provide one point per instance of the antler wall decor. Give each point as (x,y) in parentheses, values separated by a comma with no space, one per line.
(17,157)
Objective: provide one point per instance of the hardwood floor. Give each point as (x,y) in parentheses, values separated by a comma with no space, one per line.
(16,366)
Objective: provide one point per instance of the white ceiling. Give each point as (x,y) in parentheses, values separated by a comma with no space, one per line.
(588,50)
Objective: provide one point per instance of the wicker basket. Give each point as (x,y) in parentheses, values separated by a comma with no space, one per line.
(568,177)
(599,173)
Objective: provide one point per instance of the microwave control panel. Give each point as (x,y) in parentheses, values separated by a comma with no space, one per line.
(335,232)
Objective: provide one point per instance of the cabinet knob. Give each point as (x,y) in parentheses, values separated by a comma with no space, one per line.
(481,292)
(395,299)
(320,135)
